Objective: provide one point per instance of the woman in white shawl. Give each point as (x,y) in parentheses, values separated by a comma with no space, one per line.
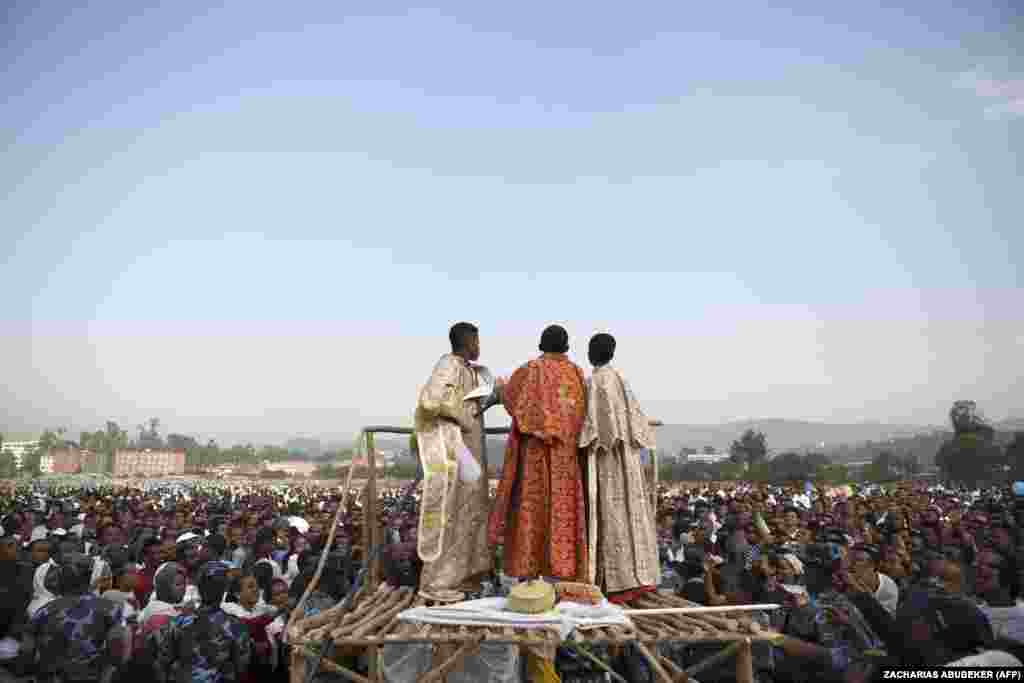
(251,604)
(168,592)
(44,587)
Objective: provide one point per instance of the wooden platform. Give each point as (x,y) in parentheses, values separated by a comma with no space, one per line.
(371,621)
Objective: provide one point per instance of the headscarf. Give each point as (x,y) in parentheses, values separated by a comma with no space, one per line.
(41,595)
(99,568)
(274,566)
(162,601)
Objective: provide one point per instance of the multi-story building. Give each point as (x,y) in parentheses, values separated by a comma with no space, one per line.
(62,461)
(150,463)
(292,468)
(17,450)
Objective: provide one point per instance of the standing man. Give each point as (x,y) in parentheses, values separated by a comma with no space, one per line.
(539,512)
(452,536)
(622,548)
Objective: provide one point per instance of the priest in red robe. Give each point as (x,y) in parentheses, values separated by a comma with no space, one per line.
(539,514)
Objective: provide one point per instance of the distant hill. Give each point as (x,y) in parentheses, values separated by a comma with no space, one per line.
(842,441)
(783,434)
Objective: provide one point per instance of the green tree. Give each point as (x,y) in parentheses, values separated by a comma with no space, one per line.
(7,468)
(884,467)
(1014,456)
(971,456)
(832,474)
(750,449)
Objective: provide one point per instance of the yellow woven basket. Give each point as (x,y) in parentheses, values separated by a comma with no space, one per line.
(532,597)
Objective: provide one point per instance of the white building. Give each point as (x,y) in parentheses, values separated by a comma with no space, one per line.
(709,458)
(17,450)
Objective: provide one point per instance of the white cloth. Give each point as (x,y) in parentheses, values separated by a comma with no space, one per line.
(565,617)
(276,635)
(99,567)
(236,610)
(40,596)
(157,608)
(191,594)
(293,569)
(888,593)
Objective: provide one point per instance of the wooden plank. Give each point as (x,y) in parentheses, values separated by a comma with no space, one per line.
(323,555)
(439,673)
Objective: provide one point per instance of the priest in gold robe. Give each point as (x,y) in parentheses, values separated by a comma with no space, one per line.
(452,534)
(621,534)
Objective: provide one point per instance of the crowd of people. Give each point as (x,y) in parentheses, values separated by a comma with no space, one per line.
(197,584)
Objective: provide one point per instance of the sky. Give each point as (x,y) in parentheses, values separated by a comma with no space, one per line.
(257,220)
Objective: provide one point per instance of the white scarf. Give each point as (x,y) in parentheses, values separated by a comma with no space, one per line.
(40,596)
(293,569)
(157,608)
(237,610)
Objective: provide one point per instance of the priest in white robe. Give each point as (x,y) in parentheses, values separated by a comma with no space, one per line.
(622,539)
(452,535)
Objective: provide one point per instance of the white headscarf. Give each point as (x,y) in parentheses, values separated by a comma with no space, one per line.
(41,597)
(157,607)
(274,566)
(98,566)
(236,609)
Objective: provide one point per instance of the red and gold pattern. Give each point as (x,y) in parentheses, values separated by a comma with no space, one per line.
(545,533)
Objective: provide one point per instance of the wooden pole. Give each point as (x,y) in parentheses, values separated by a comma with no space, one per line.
(370,533)
(445,668)
(323,555)
(744,663)
(715,659)
(656,667)
(594,660)
(654,487)
(701,610)
(338,669)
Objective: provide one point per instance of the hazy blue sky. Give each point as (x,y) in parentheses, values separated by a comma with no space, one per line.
(259,219)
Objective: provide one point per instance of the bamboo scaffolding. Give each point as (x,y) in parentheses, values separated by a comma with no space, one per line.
(369,619)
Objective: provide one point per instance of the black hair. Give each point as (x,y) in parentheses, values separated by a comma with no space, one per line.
(75,573)
(264,575)
(212,585)
(218,545)
(460,334)
(601,349)
(554,339)
(264,536)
